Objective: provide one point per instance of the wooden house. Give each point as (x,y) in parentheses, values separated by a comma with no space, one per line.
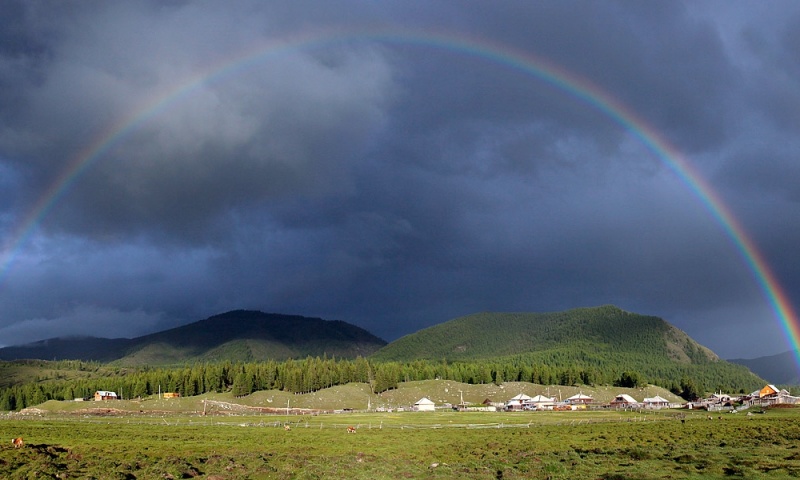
(771,395)
(580,399)
(768,390)
(624,400)
(105,395)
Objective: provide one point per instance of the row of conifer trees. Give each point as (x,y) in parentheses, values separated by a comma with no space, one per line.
(311,374)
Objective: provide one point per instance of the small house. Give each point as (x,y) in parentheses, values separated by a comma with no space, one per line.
(580,399)
(656,402)
(517,402)
(624,400)
(424,404)
(540,402)
(105,395)
(719,398)
(768,390)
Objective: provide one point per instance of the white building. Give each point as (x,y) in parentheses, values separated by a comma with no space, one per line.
(540,402)
(656,402)
(518,402)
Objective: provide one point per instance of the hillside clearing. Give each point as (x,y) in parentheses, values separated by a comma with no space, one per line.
(353,396)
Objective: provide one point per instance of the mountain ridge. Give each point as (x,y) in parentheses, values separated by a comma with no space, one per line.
(247,335)
(590,345)
(779,369)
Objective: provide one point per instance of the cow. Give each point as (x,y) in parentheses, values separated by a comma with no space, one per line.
(287,427)
(17,442)
(351,429)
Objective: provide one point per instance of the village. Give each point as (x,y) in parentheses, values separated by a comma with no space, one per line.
(768,396)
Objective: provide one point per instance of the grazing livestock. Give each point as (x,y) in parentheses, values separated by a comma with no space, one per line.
(17,442)
(351,429)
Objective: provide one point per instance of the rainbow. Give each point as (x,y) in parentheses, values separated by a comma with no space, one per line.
(499,54)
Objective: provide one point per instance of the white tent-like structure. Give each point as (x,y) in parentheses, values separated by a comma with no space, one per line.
(424,404)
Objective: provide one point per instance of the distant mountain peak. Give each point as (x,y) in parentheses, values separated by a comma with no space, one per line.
(780,369)
(247,335)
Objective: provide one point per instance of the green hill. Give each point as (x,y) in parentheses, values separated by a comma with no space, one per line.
(591,333)
(606,339)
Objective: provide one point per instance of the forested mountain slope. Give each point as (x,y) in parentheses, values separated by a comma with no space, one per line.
(603,341)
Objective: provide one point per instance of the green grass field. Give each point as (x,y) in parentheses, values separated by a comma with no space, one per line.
(555,445)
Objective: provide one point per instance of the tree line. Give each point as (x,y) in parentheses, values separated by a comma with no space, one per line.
(316,373)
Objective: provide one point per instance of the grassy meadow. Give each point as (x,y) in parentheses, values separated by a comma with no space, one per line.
(555,445)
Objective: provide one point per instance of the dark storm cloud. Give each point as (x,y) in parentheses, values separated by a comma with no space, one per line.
(393,184)
(659,57)
(775,64)
(290,124)
(266,139)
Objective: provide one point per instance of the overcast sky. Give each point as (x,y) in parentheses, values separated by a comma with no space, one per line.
(394,164)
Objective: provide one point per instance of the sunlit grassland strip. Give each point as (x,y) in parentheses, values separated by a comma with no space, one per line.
(412,445)
(401,420)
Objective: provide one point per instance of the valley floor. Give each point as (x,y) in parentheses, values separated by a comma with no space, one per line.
(556,445)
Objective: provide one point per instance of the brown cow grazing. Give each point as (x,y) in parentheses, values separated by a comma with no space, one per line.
(17,442)
(351,429)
